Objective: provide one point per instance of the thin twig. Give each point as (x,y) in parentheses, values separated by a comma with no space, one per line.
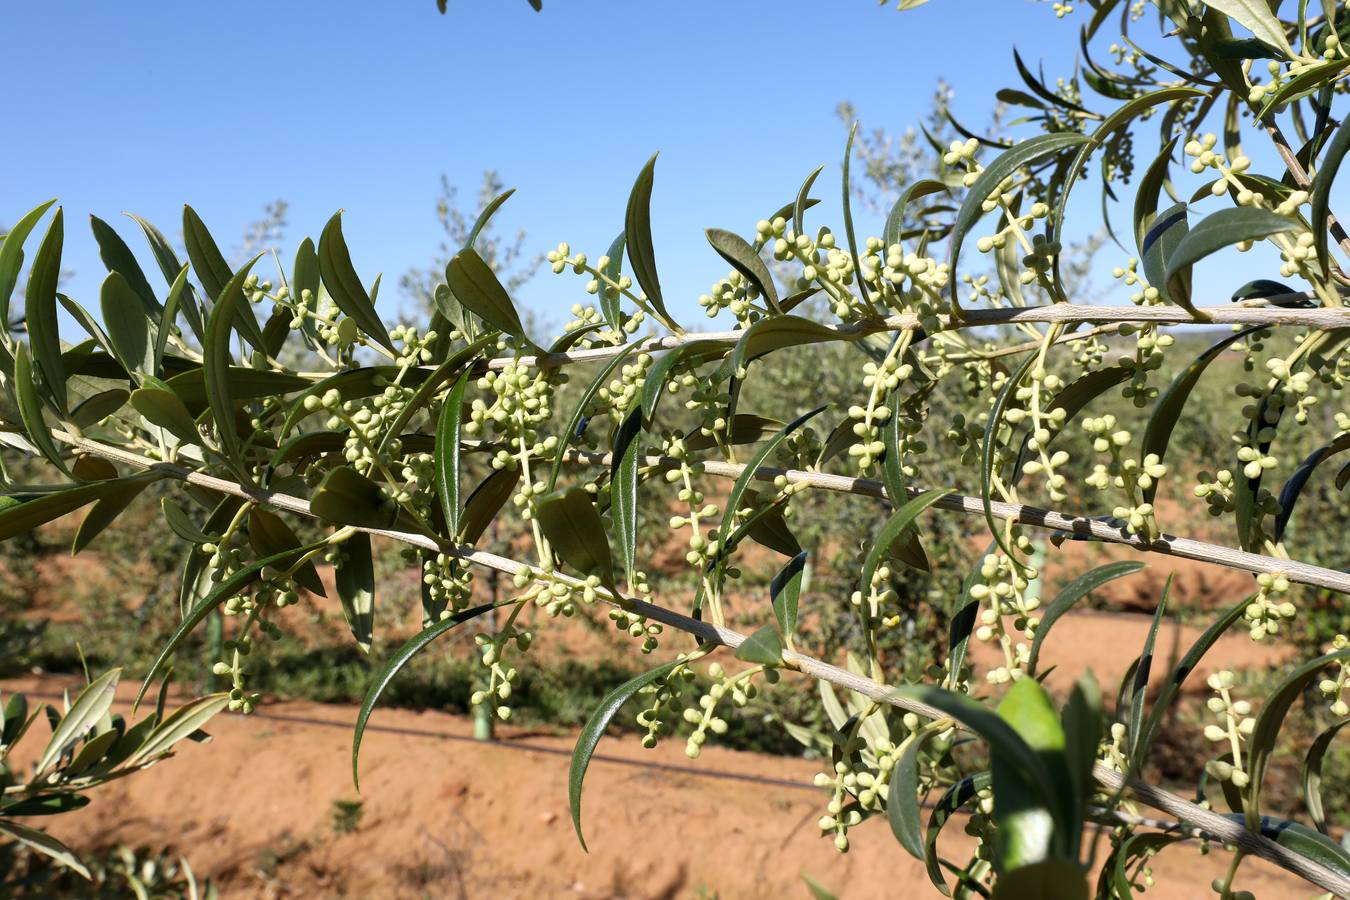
(1213,824)
(1063,313)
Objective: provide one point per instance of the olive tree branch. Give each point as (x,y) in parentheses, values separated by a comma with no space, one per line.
(1213,824)
(1249,313)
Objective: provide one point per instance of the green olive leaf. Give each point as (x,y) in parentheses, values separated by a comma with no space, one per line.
(572,526)
(637,229)
(344,285)
(129,330)
(269,535)
(902,798)
(1069,595)
(216,366)
(30,407)
(475,285)
(742,257)
(1166,412)
(594,729)
(1216,231)
(448,428)
(402,656)
(11,258)
(40,312)
(214,274)
(764,647)
(623,485)
(785,593)
(117,257)
(354,575)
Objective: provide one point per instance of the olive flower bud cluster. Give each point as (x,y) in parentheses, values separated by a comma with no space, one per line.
(1005,590)
(1333,689)
(1218,490)
(1234,726)
(492,649)
(701,545)
(1133,476)
(664,704)
(447,583)
(1270,606)
(703,716)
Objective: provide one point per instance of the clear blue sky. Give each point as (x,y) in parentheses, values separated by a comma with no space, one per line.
(145,106)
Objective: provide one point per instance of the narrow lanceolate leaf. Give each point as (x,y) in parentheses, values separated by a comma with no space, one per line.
(11,258)
(117,256)
(40,312)
(1024,809)
(216,364)
(214,273)
(171,268)
(344,286)
(1025,153)
(785,593)
(1074,591)
(1143,671)
(447,454)
(764,647)
(610,298)
(1312,774)
(1168,229)
(1321,192)
(1269,721)
(346,497)
(22,517)
(575,427)
(178,295)
(1082,720)
(742,257)
(95,700)
(1213,233)
(1158,432)
(991,435)
(106,510)
(623,485)
(163,408)
(485,501)
(1256,17)
(801,204)
(184,722)
(45,844)
(895,220)
(97,407)
(902,798)
(30,407)
(637,231)
(955,797)
(594,729)
(401,658)
(182,525)
(897,528)
(354,574)
(226,589)
(742,483)
(128,328)
(847,204)
(1293,488)
(269,535)
(1150,189)
(475,285)
(778,332)
(573,528)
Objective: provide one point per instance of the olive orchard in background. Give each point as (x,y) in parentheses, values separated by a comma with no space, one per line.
(427,433)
